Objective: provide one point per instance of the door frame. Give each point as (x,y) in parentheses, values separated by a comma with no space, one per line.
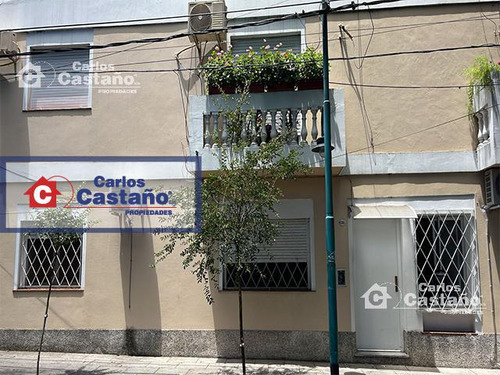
(399,262)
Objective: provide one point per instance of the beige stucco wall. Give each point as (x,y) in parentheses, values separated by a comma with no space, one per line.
(490,271)
(439,185)
(406,120)
(152,122)
(168,297)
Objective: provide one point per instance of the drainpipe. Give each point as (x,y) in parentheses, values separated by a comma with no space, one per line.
(486,211)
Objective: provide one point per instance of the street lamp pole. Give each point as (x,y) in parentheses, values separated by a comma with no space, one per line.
(329,220)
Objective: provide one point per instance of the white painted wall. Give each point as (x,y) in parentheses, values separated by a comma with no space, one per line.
(15,14)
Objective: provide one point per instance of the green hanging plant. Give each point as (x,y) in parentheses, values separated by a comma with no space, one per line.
(479,74)
(266,66)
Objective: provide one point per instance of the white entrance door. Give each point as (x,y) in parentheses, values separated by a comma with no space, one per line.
(376,279)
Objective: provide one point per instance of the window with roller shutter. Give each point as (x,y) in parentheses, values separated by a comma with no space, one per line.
(61,85)
(284,266)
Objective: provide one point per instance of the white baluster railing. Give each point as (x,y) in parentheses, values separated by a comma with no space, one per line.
(480,136)
(259,127)
(314,131)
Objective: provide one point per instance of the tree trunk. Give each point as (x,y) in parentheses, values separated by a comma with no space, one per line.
(240,311)
(46,315)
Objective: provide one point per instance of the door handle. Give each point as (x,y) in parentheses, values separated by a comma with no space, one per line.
(396,284)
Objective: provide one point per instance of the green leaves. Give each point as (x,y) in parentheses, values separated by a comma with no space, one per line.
(52,220)
(479,73)
(270,66)
(60,224)
(237,206)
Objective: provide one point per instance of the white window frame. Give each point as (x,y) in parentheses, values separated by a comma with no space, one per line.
(53,41)
(442,216)
(289,27)
(23,216)
(412,319)
(292,209)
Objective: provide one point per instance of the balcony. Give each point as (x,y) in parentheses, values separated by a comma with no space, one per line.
(486,119)
(268,114)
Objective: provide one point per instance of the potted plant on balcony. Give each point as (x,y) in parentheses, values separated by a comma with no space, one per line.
(310,70)
(480,75)
(269,70)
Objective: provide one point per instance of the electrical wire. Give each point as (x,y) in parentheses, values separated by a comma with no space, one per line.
(362,60)
(405,27)
(391,29)
(486,45)
(358,90)
(395,28)
(157,39)
(483,16)
(102,54)
(154,40)
(265,21)
(422,51)
(381,86)
(152,19)
(6,64)
(438,125)
(414,133)
(346,58)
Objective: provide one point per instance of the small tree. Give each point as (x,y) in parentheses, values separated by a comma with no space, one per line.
(49,223)
(238,214)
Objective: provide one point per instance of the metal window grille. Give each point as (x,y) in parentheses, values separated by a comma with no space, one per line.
(447,262)
(39,256)
(286,266)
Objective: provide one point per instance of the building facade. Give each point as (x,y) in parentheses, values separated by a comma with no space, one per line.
(417,232)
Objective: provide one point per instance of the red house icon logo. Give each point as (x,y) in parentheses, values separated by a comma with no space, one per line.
(43,193)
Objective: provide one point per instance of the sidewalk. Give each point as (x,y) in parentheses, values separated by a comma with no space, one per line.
(101,364)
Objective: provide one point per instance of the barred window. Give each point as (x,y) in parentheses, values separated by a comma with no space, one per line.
(286,266)
(39,257)
(447,261)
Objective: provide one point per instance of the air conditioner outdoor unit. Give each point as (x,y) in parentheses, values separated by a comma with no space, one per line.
(8,43)
(204,16)
(492,187)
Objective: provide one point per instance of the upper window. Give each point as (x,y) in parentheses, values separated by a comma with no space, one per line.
(57,79)
(285,266)
(447,261)
(240,43)
(41,264)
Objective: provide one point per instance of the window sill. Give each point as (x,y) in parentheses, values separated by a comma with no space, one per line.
(58,109)
(269,290)
(448,333)
(453,311)
(24,290)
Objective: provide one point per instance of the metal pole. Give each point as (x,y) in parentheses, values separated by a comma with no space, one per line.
(329,221)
